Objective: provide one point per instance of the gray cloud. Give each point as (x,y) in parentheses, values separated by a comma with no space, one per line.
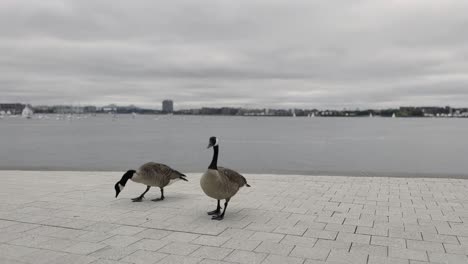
(257,53)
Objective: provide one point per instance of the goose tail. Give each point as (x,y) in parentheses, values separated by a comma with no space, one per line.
(245,181)
(178,175)
(183,177)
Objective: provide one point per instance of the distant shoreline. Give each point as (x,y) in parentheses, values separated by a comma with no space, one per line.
(401,111)
(275,172)
(247,116)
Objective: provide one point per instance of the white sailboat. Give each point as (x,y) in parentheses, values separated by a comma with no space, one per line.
(27,112)
(393,116)
(370,115)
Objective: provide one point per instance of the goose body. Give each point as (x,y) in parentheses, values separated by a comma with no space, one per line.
(157,175)
(151,174)
(220,183)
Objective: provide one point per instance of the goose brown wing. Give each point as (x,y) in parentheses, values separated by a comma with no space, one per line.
(233,176)
(161,169)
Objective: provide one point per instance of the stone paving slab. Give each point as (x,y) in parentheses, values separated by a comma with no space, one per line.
(74,217)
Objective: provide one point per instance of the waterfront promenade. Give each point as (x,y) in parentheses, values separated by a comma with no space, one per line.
(73,217)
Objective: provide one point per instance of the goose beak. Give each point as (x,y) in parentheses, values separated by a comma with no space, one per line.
(209,146)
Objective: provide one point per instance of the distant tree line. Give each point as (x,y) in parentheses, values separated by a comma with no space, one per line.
(404,111)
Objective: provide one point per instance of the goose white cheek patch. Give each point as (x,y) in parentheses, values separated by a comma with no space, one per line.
(121,187)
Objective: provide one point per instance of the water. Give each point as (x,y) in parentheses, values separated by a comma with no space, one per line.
(346,146)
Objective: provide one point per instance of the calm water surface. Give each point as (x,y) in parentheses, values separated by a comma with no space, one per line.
(351,146)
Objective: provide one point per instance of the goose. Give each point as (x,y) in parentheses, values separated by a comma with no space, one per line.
(220,183)
(150,174)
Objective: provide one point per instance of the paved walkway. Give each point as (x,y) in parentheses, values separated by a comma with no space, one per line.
(73,217)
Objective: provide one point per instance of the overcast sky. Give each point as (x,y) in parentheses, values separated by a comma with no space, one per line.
(252,53)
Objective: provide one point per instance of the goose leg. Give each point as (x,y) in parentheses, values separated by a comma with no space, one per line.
(217,211)
(221,216)
(162,196)
(139,198)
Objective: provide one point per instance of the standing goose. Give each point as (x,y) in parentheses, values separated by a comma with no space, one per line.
(220,183)
(150,174)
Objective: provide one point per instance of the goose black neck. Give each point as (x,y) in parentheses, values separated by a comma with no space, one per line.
(128,175)
(124,180)
(214,161)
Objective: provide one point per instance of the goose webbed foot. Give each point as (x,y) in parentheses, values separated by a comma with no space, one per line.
(137,199)
(161,198)
(217,211)
(217,217)
(140,198)
(214,212)
(220,216)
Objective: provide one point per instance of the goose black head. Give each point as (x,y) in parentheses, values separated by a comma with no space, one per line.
(119,186)
(213,142)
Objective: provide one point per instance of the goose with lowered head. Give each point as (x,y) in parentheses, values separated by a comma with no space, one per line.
(150,174)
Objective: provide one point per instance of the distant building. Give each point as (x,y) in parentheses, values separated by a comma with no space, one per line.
(13,109)
(63,109)
(168,106)
(109,108)
(43,109)
(90,109)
